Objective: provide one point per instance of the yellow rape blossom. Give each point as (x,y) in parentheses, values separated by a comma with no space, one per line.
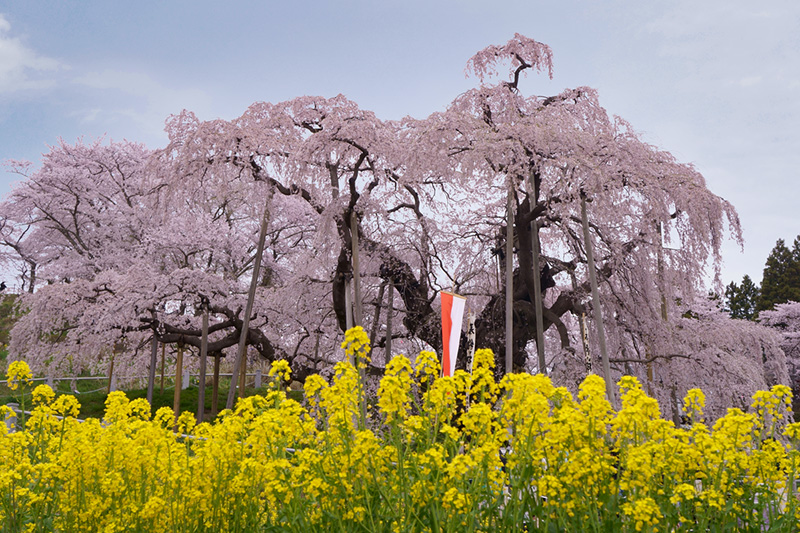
(446,454)
(281,369)
(395,388)
(643,513)
(67,405)
(18,373)
(693,405)
(356,345)
(43,395)
(426,367)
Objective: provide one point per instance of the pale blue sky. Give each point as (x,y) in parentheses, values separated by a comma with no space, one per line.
(715,82)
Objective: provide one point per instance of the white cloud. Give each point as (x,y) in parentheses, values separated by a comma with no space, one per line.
(21,68)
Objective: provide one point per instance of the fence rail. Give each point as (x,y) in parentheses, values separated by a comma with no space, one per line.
(186,381)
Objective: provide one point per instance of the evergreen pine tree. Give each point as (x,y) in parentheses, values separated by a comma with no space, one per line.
(796,253)
(781,281)
(741,300)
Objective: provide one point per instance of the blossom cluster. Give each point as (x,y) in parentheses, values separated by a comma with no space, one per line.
(460,453)
(18,373)
(356,346)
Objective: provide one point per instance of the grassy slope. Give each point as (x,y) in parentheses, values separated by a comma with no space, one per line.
(93,403)
(7,320)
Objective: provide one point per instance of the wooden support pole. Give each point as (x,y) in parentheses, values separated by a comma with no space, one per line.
(497,268)
(243,378)
(676,412)
(348,312)
(389,313)
(111,371)
(584,330)
(662,282)
(201,393)
(537,276)
(660,267)
(178,380)
(251,295)
(537,298)
(348,305)
(316,347)
(373,336)
(215,387)
(358,316)
(596,306)
(510,283)
(163,358)
(151,372)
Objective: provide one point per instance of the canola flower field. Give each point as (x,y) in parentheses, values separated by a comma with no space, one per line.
(460,453)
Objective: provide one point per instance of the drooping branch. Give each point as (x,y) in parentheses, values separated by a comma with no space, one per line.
(233,323)
(649,359)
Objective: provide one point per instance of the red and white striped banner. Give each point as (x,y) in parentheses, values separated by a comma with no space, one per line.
(452,315)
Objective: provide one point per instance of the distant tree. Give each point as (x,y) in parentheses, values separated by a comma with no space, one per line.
(741,300)
(786,319)
(781,281)
(732,358)
(113,245)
